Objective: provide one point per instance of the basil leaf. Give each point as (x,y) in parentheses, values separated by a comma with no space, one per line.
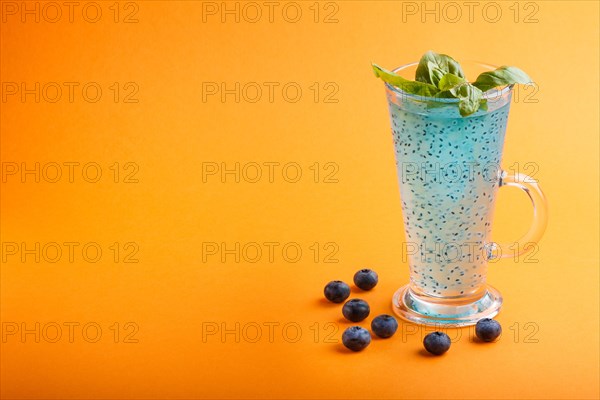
(483,104)
(439,76)
(501,77)
(469,98)
(434,103)
(412,87)
(445,94)
(448,81)
(433,66)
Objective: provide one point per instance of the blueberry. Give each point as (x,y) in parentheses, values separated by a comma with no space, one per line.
(437,343)
(366,279)
(337,291)
(356,310)
(384,326)
(487,329)
(356,338)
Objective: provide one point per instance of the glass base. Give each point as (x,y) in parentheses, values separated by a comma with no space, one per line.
(463,311)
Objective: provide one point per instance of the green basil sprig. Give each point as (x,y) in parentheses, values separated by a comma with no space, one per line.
(440,76)
(408,86)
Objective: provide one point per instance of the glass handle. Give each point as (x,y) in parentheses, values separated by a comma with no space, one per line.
(540,217)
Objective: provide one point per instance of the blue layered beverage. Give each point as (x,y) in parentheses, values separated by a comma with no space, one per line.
(448,171)
(448,141)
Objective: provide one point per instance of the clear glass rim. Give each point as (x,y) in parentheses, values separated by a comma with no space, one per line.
(491,93)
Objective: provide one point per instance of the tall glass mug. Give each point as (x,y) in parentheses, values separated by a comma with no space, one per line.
(449,174)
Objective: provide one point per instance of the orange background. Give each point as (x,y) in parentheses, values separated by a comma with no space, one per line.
(173,297)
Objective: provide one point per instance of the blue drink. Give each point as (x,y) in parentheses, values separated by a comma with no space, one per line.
(449,174)
(448,169)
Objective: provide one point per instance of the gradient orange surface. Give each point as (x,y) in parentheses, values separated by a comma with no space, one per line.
(191,325)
